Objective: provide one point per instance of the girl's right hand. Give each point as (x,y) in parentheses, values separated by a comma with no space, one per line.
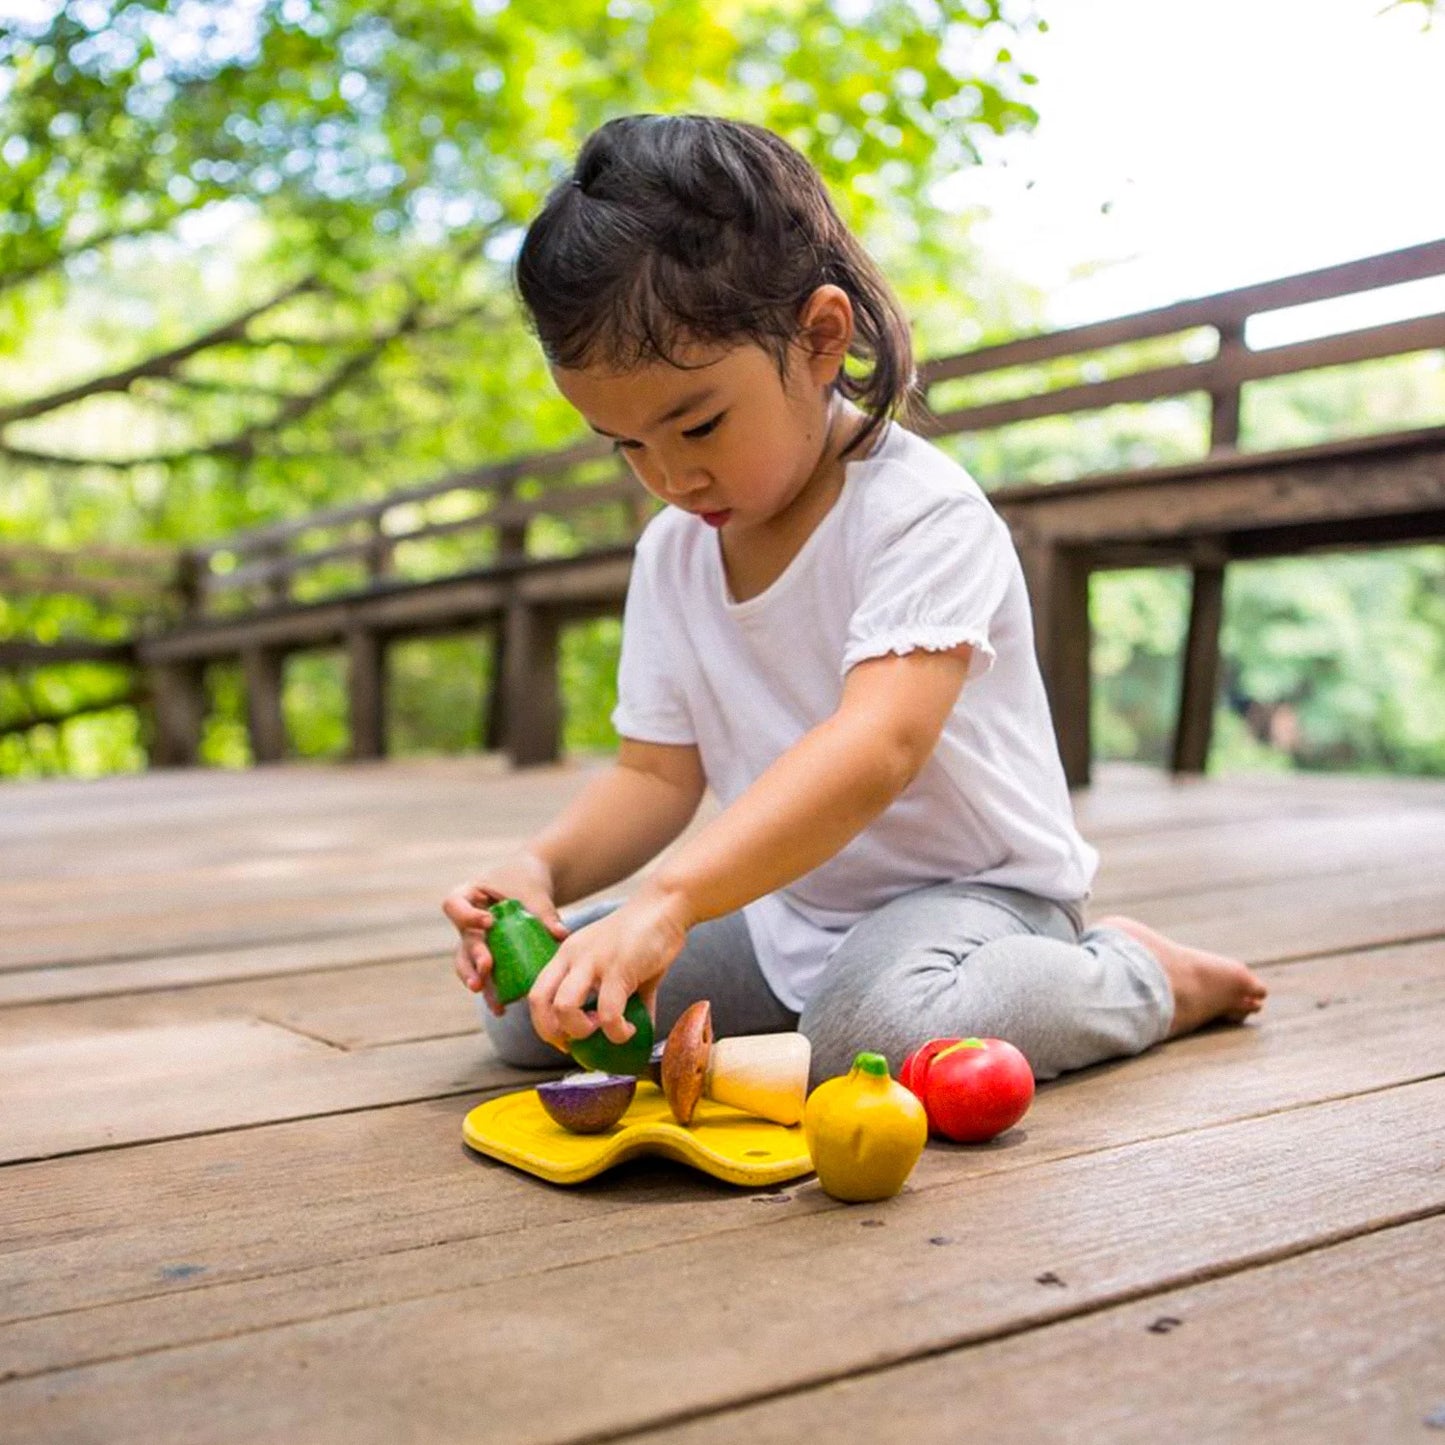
(524,877)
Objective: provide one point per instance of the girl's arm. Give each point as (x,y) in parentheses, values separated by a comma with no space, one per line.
(622,819)
(809,804)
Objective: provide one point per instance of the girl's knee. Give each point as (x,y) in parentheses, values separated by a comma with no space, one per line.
(515,1041)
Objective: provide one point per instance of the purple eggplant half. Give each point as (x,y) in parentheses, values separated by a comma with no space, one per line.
(587,1103)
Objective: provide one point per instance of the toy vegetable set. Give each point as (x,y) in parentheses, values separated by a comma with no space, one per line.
(737,1108)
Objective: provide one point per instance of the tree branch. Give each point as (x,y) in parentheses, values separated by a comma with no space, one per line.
(245,444)
(162,364)
(21,275)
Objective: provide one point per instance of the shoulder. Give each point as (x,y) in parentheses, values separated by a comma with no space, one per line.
(668,546)
(909,492)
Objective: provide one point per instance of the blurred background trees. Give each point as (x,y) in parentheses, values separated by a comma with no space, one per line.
(254,260)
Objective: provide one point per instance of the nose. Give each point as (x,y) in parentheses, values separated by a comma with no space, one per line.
(677,482)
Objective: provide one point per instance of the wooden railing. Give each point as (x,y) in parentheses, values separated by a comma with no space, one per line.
(464,550)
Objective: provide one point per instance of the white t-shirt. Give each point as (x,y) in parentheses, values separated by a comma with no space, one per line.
(911,555)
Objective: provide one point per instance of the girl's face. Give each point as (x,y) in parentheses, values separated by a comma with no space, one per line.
(725,436)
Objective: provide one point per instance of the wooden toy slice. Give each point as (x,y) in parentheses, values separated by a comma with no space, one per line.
(729,1145)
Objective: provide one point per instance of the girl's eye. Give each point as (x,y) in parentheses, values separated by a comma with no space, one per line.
(618,446)
(706,428)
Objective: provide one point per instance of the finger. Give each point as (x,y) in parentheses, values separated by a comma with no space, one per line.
(539,1003)
(465,969)
(474,942)
(568,1003)
(464,912)
(611,1000)
(489,992)
(542,908)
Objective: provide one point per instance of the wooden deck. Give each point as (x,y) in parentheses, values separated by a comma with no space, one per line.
(235,1205)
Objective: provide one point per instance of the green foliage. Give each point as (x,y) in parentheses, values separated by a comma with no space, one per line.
(589,657)
(358,175)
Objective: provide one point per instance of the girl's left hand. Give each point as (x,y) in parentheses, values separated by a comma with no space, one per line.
(624,953)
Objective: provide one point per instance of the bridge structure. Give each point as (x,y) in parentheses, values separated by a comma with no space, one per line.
(356,577)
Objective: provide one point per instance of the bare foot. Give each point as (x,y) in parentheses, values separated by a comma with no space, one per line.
(1207,986)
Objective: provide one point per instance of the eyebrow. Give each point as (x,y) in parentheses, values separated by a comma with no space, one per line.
(692,399)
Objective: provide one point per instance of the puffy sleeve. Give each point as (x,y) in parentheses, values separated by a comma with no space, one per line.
(932,578)
(651,698)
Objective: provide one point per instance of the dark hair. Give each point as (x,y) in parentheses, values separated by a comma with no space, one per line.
(691,228)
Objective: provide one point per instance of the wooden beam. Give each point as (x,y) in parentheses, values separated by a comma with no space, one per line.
(178,700)
(494,705)
(366,692)
(1228,370)
(1195,722)
(264,670)
(532,708)
(1058,584)
(16,653)
(1413,263)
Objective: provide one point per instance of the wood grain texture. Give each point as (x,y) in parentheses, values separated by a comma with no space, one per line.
(1250,1357)
(238,1206)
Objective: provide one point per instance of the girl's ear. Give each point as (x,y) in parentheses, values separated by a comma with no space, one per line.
(825,332)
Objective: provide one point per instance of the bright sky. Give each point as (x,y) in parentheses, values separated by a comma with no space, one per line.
(1232,141)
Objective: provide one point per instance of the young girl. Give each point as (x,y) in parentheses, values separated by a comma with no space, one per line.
(827,626)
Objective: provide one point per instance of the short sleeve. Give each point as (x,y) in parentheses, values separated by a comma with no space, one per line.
(651,700)
(933,579)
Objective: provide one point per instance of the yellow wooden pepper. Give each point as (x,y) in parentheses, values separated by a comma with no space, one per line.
(865,1132)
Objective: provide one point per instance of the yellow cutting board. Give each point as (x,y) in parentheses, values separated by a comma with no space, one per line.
(723,1142)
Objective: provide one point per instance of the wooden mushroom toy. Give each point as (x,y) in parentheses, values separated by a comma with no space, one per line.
(763,1074)
(685,1060)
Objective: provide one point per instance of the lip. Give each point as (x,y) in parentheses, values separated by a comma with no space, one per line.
(715,519)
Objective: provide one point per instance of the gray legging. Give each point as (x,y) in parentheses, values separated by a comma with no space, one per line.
(947,961)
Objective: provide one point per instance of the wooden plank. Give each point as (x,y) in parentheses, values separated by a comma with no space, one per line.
(362,1182)
(1131,800)
(1258,849)
(1249,502)
(594,581)
(1413,263)
(16,653)
(504,516)
(934,1270)
(534,464)
(226,1091)
(1230,368)
(1274,922)
(1377,448)
(353,1007)
(1340,1344)
(371,948)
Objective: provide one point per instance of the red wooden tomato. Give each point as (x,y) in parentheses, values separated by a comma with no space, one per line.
(972,1089)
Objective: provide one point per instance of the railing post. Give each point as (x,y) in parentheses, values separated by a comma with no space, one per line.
(265,722)
(1199,665)
(1058,584)
(379,551)
(1200,683)
(189,583)
(178,701)
(366,693)
(511,546)
(532,706)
